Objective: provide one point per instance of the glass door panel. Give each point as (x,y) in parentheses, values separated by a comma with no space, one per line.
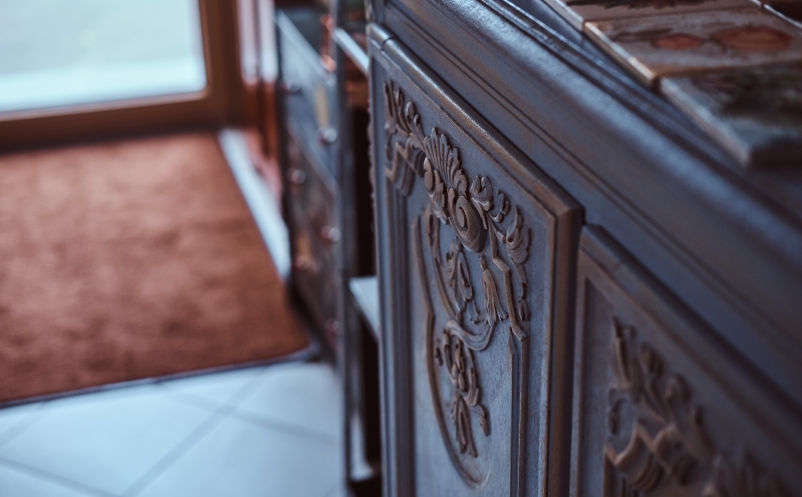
(64,53)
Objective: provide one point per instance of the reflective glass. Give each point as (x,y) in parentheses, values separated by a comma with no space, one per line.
(56,53)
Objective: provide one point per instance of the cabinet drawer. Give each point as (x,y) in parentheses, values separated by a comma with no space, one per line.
(300,31)
(661,407)
(312,278)
(474,292)
(318,140)
(311,202)
(308,88)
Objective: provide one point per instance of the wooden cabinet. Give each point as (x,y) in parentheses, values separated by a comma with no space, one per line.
(580,294)
(328,206)
(661,407)
(475,252)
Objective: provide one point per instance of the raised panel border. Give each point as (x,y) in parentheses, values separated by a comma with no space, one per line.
(391,58)
(669,439)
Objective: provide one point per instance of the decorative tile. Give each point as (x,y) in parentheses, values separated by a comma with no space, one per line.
(105,440)
(755,113)
(249,460)
(685,43)
(577,12)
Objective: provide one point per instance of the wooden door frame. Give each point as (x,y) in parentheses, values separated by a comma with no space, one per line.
(221,102)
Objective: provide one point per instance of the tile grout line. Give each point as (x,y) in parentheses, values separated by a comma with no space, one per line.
(44,475)
(275,424)
(244,415)
(174,454)
(23,424)
(216,417)
(194,400)
(249,417)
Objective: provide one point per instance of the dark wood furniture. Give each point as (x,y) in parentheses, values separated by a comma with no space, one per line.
(310,143)
(580,293)
(329,210)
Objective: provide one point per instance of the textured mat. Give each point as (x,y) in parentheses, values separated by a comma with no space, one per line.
(129,260)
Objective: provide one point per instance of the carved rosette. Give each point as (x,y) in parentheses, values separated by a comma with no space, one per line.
(471,245)
(656,435)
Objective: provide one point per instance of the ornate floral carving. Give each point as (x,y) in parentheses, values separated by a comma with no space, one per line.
(666,440)
(745,478)
(457,358)
(478,272)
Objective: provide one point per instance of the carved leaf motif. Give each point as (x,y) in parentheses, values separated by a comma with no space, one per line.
(667,441)
(400,117)
(445,159)
(502,208)
(482,197)
(746,479)
(517,239)
(402,125)
(667,436)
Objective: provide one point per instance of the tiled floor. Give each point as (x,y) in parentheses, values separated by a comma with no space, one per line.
(264,431)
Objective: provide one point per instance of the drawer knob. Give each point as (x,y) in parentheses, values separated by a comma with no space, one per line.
(333,328)
(330,234)
(296,177)
(302,263)
(326,135)
(290,87)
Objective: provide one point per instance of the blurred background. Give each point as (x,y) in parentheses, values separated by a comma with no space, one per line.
(55,53)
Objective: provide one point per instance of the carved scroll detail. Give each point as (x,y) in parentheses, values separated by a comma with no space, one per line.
(477,243)
(457,360)
(664,439)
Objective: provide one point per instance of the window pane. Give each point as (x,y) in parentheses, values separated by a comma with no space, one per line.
(56,53)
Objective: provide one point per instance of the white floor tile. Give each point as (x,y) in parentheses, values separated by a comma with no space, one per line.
(338,490)
(243,459)
(216,388)
(304,395)
(105,440)
(10,417)
(15,483)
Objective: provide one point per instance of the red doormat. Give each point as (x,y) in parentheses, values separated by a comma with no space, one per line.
(130,260)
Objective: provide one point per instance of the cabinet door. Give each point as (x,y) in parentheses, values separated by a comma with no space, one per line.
(475,252)
(661,407)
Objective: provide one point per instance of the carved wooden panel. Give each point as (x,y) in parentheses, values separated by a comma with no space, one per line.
(661,407)
(474,270)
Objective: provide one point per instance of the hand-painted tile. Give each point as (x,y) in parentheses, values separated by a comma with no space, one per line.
(577,12)
(756,113)
(703,41)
